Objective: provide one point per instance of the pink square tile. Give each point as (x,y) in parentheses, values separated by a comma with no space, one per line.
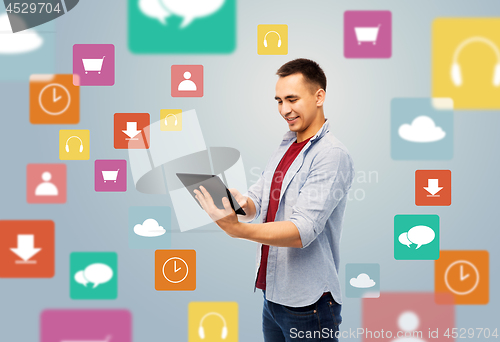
(187,80)
(93,64)
(405,317)
(46,183)
(86,325)
(110,175)
(367,34)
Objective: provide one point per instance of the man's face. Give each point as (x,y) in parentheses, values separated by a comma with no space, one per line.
(297,102)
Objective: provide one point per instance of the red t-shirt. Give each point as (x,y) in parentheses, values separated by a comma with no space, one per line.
(274,201)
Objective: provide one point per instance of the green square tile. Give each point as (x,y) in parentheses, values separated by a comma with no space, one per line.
(93,275)
(416,237)
(166,26)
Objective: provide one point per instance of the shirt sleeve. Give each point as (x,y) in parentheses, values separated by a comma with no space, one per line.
(255,193)
(328,181)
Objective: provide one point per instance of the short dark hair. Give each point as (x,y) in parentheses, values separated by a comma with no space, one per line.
(311,71)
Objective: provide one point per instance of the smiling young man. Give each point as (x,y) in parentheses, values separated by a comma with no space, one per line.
(301,199)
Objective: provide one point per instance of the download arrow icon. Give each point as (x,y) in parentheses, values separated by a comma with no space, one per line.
(432,187)
(131,130)
(25,247)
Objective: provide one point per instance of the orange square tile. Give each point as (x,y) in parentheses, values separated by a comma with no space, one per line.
(26,249)
(131,130)
(175,270)
(463,274)
(54,100)
(433,187)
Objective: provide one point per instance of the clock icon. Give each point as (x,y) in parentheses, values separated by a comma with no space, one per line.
(461,277)
(54,99)
(175,270)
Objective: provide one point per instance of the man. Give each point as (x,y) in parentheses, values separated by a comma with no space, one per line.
(301,199)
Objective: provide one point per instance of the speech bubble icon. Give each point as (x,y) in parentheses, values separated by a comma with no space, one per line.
(98,274)
(403,238)
(80,278)
(191,9)
(154,9)
(421,235)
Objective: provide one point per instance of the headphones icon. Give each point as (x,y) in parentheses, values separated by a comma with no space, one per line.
(201,331)
(456,73)
(81,143)
(265,40)
(166,117)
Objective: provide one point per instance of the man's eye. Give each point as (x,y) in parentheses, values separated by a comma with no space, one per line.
(293,101)
(280,102)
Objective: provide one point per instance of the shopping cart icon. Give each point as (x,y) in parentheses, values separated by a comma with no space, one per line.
(107,339)
(93,64)
(110,175)
(367,34)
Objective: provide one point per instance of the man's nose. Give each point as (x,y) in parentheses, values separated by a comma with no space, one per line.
(285,109)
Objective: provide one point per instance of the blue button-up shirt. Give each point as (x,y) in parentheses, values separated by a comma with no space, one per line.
(313,197)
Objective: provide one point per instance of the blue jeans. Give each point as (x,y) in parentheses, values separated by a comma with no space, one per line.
(316,322)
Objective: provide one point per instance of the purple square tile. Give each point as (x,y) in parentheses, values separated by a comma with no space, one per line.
(93,64)
(110,175)
(86,325)
(367,34)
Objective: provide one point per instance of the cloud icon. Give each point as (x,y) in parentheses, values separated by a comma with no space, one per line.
(149,228)
(362,281)
(421,130)
(11,43)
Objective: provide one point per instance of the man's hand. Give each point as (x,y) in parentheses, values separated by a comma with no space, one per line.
(242,200)
(225,218)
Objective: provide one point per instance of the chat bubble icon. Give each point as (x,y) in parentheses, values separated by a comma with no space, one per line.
(154,9)
(80,278)
(421,235)
(191,9)
(98,274)
(403,239)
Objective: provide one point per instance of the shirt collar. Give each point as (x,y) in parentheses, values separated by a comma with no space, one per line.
(323,130)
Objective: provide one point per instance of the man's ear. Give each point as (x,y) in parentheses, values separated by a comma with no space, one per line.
(320,97)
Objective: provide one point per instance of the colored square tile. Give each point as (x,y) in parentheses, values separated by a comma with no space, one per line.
(94,64)
(110,175)
(86,325)
(171,119)
(433,187)
(272,39)
(74,144)
(367,34)
(187,80)
(421,129)
(54,100)
(416,237)
(46,183)
(27,249)
(362,280)
(466,62)
(412,313)
(131,130)
(93,275)
(149,227)
(175,270)
(182,27)
(464,275)
(213,321)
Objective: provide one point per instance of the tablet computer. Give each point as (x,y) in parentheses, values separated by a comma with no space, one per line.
(215,187)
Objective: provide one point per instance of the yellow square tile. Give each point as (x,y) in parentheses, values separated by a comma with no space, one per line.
(272,39)
(466,61)
(171,119)
(213,321)
(74,144)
